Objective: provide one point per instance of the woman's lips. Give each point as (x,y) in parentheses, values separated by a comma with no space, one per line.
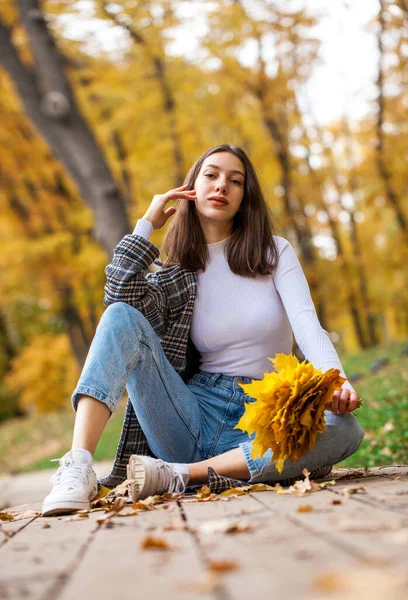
(217,202)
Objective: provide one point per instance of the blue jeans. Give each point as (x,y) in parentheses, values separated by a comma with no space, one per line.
(189,421)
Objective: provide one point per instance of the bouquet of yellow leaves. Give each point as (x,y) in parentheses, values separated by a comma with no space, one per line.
(289,408)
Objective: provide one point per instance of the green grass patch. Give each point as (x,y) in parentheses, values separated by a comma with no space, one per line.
(384,414)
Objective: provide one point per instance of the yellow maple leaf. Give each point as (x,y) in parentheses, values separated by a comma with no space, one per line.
(289,409)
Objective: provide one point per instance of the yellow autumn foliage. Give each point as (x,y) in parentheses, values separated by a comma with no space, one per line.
(289,409)
(44,374)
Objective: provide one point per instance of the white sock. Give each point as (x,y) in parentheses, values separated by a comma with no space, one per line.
(183,469)
(86,454)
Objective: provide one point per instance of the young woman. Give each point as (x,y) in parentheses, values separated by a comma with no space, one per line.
(233,292)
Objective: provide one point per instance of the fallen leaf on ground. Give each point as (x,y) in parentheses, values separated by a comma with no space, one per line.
(350,490)
(222,566)
(141,505)
(305,508)
(103,492)
(260,487)
(123,488)
(324,484)
(100,503)
(248,489)
(5,516)
(224,526)
(25,514)
(193,499)
(76,517)
(236,491)
(176,527)
(303,486)
(153,542)
(113,510)
(204,494)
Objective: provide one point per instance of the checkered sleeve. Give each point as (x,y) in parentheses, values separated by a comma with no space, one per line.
(126,281)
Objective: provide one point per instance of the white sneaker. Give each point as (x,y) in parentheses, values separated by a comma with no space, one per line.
(153,476)
(74,485)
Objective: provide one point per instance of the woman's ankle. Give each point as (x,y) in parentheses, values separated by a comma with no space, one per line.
(83,452)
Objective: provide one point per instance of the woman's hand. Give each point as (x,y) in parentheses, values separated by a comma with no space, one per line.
(344,401)
(156,213)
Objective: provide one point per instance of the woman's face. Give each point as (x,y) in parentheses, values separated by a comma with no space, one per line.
(219,187)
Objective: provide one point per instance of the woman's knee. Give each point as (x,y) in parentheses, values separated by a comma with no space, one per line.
(120,313)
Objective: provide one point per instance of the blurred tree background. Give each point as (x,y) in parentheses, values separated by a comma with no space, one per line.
(89,134)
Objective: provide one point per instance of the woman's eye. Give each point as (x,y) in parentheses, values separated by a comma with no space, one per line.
(209,175)
(237,181)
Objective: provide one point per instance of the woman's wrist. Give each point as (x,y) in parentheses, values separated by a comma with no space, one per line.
(144,228)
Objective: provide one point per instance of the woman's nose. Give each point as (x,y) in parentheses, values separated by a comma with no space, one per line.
(221,186)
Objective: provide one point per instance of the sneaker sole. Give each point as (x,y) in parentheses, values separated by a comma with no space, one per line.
(136,470)
(64,508)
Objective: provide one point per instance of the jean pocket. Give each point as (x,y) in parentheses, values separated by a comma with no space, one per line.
(200,379)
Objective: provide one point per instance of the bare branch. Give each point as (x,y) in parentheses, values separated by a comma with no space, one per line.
(160,74)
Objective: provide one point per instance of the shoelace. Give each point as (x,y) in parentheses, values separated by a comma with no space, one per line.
(172,480)
(69,472)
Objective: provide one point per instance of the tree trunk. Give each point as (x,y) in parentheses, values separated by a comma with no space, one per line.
(49,102)
(276,122)
(296,219)
(393,198)
(355,241)
(334,229)
(121,154)
(79,339)
(8,345)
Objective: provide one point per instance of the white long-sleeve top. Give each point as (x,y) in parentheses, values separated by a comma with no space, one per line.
(238,322)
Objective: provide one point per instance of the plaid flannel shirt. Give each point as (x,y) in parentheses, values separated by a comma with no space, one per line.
(166,298)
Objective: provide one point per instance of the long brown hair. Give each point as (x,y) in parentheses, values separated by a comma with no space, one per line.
(251,249)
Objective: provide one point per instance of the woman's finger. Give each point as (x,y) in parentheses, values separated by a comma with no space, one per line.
(177,193)
(344,401)
(354,398)
(170,211)
(335,401)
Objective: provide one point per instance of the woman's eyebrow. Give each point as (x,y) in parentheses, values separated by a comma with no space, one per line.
(217,167)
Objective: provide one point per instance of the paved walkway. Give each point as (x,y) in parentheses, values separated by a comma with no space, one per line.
(28,488)
(346,541)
